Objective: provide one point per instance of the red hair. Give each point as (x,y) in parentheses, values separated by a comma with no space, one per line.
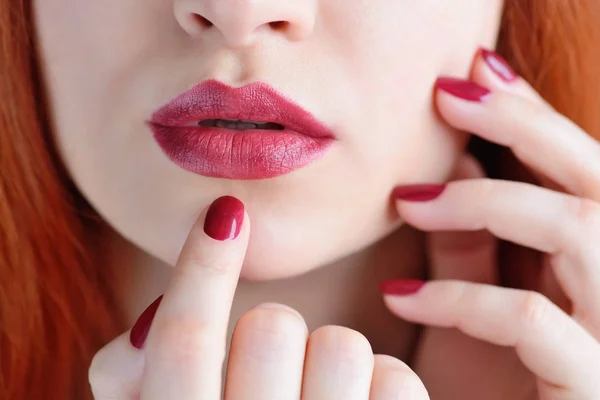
(56,304)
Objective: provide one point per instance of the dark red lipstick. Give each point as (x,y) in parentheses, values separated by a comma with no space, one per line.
(251,132)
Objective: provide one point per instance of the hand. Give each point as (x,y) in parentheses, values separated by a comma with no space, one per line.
(271,356)
(552,327)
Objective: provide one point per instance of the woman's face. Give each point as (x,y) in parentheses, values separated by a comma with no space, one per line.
(363,68)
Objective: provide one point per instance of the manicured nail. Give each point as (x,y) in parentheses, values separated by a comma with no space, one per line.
(224,218)
(401,287)
(140,330)
(419,193)
(462,89)
(499,65)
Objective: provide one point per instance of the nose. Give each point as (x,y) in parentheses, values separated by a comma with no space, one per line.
(242,22)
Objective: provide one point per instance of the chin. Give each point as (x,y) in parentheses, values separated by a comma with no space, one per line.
(273,262)
(258,271)
(269,260)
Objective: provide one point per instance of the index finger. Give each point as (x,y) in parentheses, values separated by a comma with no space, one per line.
(538,136)
(185,349)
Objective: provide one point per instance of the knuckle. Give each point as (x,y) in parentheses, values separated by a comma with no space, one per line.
(585,213)
(537,116)
(216,266)
(389,364)
(535,310)
(342,345)
(268,331)
(213,268)
(98,375)
(102,379)
(485,192)
(460,294)
(393,379)
(196,258)
(273,318)
(582,219)
(185,340)
(487,188)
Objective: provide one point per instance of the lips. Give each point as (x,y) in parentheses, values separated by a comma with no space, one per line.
(251,132)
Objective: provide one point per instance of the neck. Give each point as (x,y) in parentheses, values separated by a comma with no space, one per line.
(343,293)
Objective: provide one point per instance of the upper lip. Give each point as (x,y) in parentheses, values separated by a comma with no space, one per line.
(254,102)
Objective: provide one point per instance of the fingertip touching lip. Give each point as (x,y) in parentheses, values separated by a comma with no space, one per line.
(251,132)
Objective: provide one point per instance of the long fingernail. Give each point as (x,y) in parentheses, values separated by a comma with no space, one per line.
(224,218)
(419,193)
(401,287)
(498,64)
(462,89)
(140,329)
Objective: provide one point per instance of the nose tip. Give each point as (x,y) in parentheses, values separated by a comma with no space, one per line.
(241,22)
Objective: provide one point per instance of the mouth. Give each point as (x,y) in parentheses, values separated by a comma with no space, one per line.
(240,125)
(251,132)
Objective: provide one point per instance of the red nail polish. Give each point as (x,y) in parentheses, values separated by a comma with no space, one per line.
(419,193)
(140,330)
(401,287)
(224,218)
(462,89)
(499,65)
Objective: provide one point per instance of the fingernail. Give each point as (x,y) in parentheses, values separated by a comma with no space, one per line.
(462,89)
(401,287)
(224,218)
(419,193)
(140,329)
(499,65)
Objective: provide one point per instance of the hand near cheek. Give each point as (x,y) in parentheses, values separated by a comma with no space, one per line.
(509,343)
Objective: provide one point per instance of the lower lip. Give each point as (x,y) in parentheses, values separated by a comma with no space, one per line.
(232,154)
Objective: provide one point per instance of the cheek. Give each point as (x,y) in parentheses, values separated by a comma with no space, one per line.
(97,62)
(92,56)
(393,64)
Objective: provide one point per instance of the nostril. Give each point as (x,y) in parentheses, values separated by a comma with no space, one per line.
(202,21)
(279,25)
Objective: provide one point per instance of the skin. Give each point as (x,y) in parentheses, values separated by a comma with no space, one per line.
(127,73)
(389,53)
(110,64)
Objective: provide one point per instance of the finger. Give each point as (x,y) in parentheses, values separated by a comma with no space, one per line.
(185,348)
(562,225)
(465,255)
(116,371)
(338,365)
(541,138)
(492,71)
(266,358)
(393,379)
(548,341)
